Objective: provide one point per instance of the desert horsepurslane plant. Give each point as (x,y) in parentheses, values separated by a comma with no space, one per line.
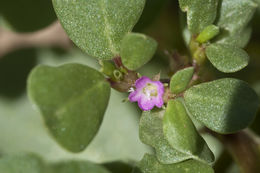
(72,98)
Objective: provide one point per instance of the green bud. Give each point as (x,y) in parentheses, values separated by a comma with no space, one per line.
(208,33)
(107,68)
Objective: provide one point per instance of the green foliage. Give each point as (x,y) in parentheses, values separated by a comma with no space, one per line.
(200,13)
(15,84)
(152,10)
(23,163)
(98,26)
(208,33)
(77,167)
(151,133)
(239,38)
(29,163)
(72,99)
(233,19)
(149,164)
(119,167)
(234,15)
(27,15)
(227,58)
(137,50)
(225,106)
(180,80)
(181,133)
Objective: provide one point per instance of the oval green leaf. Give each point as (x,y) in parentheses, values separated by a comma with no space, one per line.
(181,133)
(98,26)
(225,106)
(200,13)
(77,167)
(149,164)
(181,79)
(137,50)
(227,58)
(234,15)
(151,133)
(22,163)
(72,99)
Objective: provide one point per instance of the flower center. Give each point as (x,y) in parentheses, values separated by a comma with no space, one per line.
(150,90)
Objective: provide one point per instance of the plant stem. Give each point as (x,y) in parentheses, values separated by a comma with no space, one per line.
(244,148)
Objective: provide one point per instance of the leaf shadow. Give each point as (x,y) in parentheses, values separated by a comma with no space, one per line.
(14,69)
(241,109)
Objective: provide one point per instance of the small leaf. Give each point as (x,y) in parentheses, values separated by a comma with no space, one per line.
(181,79)
(23,163)
(151,133)
(182,134)
(77,167)
(227,58)
(239,38)
(225,106)
(208,33)
(149,164)
(72,99)
(234,15)
(98,26)
(200,13)
(137,50)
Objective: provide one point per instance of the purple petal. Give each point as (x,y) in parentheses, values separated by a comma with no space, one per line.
(159,102)
(160,87)
(134,96)
(141,82)
(146,104)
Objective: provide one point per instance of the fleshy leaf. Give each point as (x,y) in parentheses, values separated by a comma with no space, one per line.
(234,15)
(227,58)
(22,163)
(225,105)
(98,26)
(239,38)
(208,33)
(181,79)
(200,13)
(181,133)
(151,133)
(72,99)
(77,167)
(149,164)
(137,50)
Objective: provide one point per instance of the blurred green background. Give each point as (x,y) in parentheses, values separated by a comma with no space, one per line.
(21,126)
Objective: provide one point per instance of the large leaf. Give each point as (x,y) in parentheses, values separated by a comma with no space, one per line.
(225,106)
(137,50)
(227,58)
(181,79)
(151,133)
(200,13)
(234,15)
(149,164)
(72,99)
(98,26)
(23,163)
(181,133)
(77,167)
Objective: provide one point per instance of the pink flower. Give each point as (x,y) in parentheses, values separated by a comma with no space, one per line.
(147,93)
